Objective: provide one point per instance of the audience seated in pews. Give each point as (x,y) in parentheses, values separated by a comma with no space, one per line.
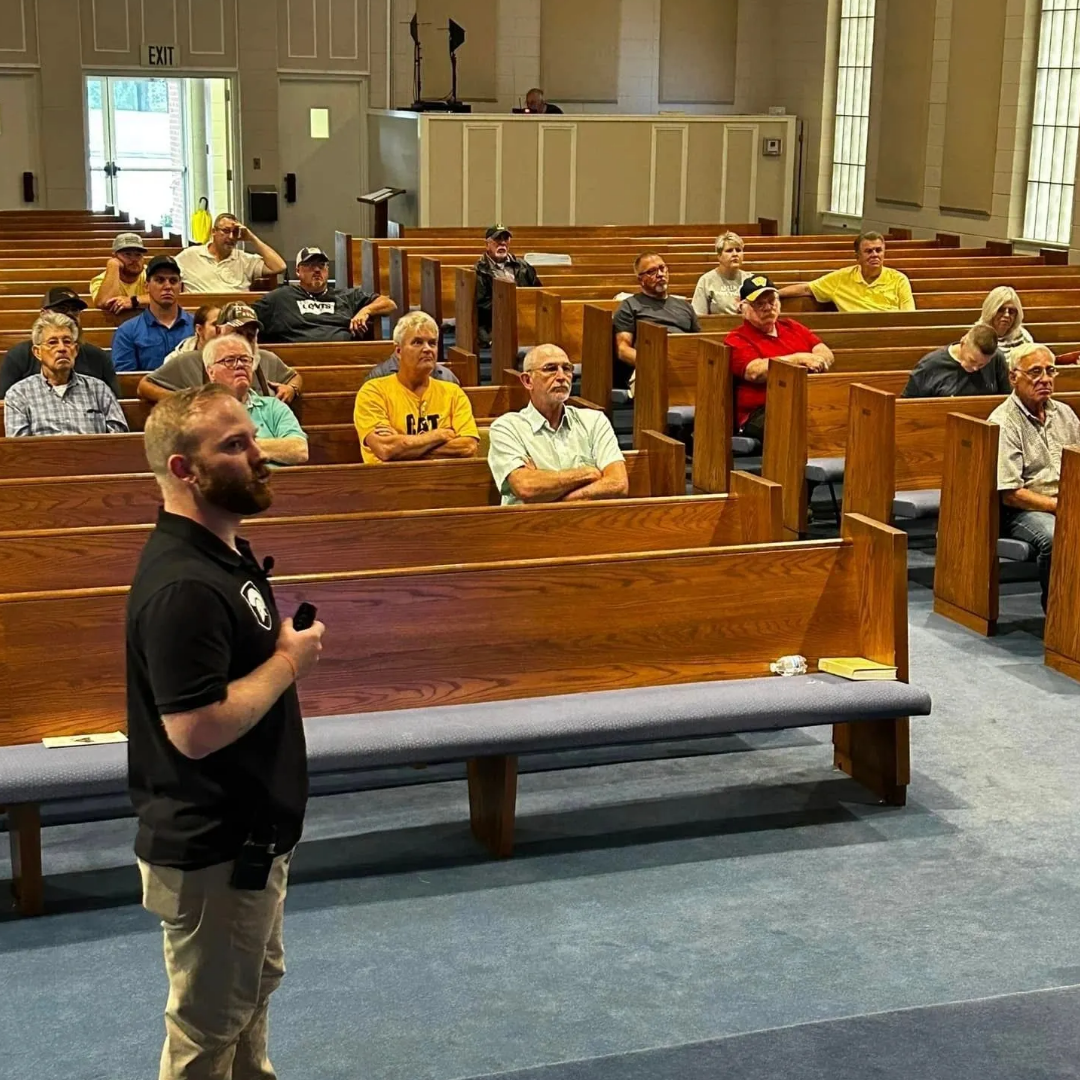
(974,365)
(205,319)
(551,451)
(764,336)
(497,262)
(1004,314)
(229,361)
(717,291)
(410,415)
(271,375)
(220,266)
(653,304)
(19,361)
(869,285)
(312,311)
(143,342)
(1034,428)
(121,286)
(58,400)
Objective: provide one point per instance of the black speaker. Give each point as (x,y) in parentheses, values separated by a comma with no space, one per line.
(290,187)
(262,205)
(28,188)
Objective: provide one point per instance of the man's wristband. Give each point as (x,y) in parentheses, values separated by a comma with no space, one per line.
(288,660)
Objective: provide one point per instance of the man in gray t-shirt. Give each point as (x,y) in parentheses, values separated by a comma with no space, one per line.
(653,304)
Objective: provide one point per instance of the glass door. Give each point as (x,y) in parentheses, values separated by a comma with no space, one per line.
(137,148)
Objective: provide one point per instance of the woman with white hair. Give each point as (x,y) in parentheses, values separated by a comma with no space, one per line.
(717,291)
(1004,314)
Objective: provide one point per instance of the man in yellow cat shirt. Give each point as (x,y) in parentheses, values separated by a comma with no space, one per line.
(410,416)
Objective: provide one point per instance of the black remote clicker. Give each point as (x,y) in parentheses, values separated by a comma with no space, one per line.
(305,616)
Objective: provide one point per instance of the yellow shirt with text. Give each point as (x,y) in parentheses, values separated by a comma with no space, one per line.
(849,291)
(388,401)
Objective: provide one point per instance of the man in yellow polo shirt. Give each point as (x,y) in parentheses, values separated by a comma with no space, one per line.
(409,415)
(869,285)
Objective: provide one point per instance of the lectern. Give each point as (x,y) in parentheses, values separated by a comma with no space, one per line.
(380,200)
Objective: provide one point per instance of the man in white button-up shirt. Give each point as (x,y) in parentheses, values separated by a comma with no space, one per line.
(219,266)
(551,451)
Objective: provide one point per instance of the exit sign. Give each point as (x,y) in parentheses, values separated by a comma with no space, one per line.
(162,56)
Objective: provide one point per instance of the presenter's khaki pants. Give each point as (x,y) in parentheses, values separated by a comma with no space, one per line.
(224,957)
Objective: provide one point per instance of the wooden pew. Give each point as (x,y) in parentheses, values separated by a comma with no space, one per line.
(65,500)
(1061,636)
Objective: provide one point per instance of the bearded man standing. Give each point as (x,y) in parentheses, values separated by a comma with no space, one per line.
(217,766)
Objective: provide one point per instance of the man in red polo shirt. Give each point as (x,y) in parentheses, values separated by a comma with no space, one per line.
(764,336)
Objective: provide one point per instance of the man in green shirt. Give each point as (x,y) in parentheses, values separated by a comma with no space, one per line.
(551,451)
(229,361)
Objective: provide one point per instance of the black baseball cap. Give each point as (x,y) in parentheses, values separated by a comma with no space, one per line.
(62,296)
(162,262)
(497,232)
(754,286)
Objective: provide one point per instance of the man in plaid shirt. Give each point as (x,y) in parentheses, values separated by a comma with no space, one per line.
(58,400)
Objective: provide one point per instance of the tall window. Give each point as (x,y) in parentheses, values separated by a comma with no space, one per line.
(852,106)
(1054,125)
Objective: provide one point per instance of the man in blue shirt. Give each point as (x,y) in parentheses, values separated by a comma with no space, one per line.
(143,342)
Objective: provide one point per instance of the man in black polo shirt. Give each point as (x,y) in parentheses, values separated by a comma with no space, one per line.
(216,755)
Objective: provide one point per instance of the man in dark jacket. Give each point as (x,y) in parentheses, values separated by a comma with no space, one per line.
(20,362)
(497,262)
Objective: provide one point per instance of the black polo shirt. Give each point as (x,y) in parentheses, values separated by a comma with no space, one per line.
(200,616)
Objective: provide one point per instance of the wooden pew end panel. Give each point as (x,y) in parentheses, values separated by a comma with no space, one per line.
(24,826)
(492,802)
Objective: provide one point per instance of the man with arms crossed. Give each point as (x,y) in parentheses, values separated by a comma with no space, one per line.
(411,415)
(217,765)
(551,451)
(1034,429)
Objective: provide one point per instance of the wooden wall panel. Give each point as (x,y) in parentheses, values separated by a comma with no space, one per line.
(18,32)
(579,50)
(739,197)
(607,149)
(697,51)
(905,109)
(971,118)
(482,174)
(558,170)
(670,148)
(476,58)
(323,36)
(520,177)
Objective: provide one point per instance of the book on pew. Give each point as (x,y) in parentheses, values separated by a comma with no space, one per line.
(857,668)
(53,742)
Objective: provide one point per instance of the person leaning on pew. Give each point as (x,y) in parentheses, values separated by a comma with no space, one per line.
(410,415)
(229,362)
(19,361)
(551,451)
(764,336)
(869,285)
(143,342)
(497,262)
(1034,429)
(58,400)
(974,365)
(121,286)
(217,763)
(272,376)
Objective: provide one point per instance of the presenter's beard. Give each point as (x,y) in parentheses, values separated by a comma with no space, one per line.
(235,494)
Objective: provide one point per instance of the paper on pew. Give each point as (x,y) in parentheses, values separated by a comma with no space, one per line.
(857,668)
(547,258)
(53,742)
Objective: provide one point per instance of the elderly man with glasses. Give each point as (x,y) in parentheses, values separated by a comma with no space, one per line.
(220,266)
(1034,428)
(229,361)
(653,304)
(551,451)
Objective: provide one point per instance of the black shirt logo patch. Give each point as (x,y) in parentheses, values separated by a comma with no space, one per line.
(254,600)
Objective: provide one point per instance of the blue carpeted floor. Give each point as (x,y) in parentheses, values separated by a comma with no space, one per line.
(658,911)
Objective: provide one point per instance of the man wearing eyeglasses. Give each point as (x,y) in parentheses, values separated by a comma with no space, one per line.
(1034,428)
(220,266)
(653,304)
(551,451)
(229,361)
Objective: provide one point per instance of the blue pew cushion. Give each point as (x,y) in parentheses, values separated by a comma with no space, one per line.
(825,470)
(620,397)
(1015,550)
(680,415)
(743,446)
(917,504)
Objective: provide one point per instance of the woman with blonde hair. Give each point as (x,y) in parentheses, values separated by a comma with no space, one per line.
(717,291)
(1004,314)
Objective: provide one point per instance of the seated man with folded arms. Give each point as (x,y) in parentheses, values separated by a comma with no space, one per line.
(411,415)
(653,304)
(551,451)
(58,400)
(271,375)
(869,285)
(974,365)
(764,336)
(1034,429)
(121,286)
(229,361)
(19,361)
